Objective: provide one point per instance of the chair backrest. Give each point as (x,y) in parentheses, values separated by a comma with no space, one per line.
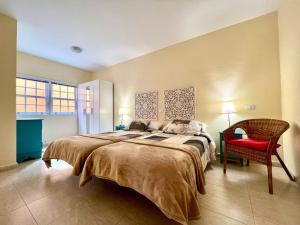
(264,129)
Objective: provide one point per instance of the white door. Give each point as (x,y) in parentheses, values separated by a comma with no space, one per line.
(95,107)
(106,106)
(88,104)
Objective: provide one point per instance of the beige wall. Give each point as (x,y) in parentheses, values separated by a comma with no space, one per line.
(239,63)
(44,68)
(53,126)
(8,35)
(289,42)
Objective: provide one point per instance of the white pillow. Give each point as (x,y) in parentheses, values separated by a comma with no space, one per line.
(166,126)
(154,125)
(177,128)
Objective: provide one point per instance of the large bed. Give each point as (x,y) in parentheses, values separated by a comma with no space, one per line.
(168,169)
(75,150)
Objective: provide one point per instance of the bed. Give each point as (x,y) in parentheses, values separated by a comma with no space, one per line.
(168,169)
(75,150)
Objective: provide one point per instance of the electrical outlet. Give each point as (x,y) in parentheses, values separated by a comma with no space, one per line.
(250,107)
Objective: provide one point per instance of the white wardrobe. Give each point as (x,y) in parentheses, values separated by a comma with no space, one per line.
(95,107)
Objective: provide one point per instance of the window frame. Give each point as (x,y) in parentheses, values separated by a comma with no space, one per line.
(33,96)
(48,97)
(51,98)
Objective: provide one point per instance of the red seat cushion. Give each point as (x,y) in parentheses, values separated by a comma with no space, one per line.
(259,145)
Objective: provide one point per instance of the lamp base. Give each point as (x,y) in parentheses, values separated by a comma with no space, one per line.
(228,117)
(120,127)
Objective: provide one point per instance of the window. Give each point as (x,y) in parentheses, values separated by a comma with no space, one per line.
(44,97)
(63,98)
(31,96)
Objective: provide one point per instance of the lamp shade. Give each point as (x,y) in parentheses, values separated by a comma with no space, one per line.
(123,111)
(228,107)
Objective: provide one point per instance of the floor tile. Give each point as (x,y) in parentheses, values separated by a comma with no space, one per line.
(20,216)
(211,218)
(9,199)
(54,197)
(49,208)
(80,216)
(36,189)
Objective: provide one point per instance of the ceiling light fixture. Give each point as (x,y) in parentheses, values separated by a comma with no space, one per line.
(76,49)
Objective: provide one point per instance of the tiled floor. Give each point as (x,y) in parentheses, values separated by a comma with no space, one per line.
(33,194)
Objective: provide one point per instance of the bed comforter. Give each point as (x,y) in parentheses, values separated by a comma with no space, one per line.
(169,174)
(75,150)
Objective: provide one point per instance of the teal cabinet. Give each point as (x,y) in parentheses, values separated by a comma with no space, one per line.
(230,156)
(29,139)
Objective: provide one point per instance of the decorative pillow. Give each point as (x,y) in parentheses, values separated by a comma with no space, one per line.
(198,126)
(194,127)
(137,125)
(190,127)
(203,127)
(181,121)
(166,126)
(176,128)
(146,122)
(154,125)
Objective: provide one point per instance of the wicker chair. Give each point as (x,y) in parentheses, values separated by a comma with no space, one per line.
(263,135)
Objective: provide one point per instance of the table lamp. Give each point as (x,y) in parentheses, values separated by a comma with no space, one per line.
(122,113)
(228,108)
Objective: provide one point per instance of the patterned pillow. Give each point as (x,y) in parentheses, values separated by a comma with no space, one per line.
(137,125)
(193,128)
(203,127)
(176,128)
(146,122)
(181,121)
(190,127)
(196,127)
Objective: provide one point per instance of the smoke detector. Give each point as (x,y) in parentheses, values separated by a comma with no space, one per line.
(76,49)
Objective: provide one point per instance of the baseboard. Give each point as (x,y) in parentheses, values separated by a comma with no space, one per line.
(9,167)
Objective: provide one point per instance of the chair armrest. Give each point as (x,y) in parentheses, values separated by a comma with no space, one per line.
(272,145)
(229,133)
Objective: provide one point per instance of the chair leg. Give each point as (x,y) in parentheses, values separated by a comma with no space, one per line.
(248,162)
(292,178)
(225,163)
(270,181)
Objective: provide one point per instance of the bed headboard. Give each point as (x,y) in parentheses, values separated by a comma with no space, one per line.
(180,104)
(146,105)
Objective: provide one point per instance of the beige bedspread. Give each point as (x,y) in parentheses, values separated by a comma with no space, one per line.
(75,150)
(209,148)
(168,174)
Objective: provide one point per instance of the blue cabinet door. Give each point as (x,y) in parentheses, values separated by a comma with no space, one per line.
(29,139)
(230,156)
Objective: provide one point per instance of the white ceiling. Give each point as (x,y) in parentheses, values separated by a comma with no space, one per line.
(112,31)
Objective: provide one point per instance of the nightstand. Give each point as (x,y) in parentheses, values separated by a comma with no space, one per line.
(29,139)
(230,156)
(120,127)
